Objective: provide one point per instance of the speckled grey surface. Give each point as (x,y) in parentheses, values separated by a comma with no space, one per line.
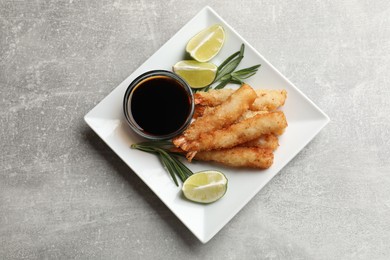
(64,194)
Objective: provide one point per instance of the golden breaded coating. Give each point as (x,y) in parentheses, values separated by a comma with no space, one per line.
(236,134)
(266,141)
(213,97)
(252,157)
(267,99)
(202,110)
(250,113)
(223,115)
(232,133)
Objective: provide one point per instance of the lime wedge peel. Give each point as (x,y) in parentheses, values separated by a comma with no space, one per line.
(205,186)
(207,43)
(197,74)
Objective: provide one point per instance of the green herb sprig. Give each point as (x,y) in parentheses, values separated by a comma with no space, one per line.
(169,159)
(226,73)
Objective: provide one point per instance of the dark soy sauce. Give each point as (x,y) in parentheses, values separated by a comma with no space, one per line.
(160,105)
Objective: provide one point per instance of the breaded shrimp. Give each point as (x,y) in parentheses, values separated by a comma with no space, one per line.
(203,110)
(213,97)
(252,157)
(223,115)
(266,141)
(267,99)
(249,114)
(241,132)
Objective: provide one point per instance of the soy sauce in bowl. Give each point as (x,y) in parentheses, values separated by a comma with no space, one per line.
(158,105)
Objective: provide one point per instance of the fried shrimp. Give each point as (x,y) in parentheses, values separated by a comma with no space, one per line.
(238,128)
(203,110)
(213,97)
(238,133)
(249,114)
(252,157)
(221,116)
(266,141)
(267,99)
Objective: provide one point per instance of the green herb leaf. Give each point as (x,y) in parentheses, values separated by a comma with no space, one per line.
(231,57)
(226,73)
(228,68)
(168,159)
(223,83)
(247,72)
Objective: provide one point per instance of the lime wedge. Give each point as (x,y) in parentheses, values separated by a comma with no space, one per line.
(206,43)
(205,186)
(197,74)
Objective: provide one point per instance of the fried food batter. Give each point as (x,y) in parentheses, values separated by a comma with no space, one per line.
(252,157)
(236,134)
(237,128)
(221,116)
(267,99)
(266,141)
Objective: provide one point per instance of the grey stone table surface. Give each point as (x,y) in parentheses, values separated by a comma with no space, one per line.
(65,195)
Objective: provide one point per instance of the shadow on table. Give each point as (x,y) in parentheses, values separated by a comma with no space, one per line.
(140,187)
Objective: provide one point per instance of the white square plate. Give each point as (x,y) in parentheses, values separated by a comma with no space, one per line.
(305,120)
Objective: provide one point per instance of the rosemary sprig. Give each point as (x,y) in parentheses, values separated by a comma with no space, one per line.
(237,77)
(230,64)
(226,73)
(169,159)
